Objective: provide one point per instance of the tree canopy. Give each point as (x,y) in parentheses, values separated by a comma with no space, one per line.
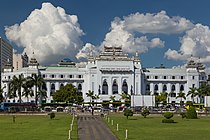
(68,94)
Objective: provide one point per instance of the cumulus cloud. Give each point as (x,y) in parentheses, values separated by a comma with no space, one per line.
(87,50)
(129,32)
(196,43)
(155,23)
(48,32)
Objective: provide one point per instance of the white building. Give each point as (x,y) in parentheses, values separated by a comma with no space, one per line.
(112,73)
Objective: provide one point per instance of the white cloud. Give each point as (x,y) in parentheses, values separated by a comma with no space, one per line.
(87,50)
(48,32)
(196,43)
(155,23)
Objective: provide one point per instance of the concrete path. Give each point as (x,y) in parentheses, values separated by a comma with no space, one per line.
(93,128)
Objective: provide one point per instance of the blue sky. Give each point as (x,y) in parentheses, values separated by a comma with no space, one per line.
(95,17)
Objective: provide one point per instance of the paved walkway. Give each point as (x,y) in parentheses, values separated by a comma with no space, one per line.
(93,128)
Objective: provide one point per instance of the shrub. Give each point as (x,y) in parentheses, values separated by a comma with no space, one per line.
(52,115)
(191,113)
(168,115)
(167,121)
(128,112)
(145,113)
(183,114)
(189,103)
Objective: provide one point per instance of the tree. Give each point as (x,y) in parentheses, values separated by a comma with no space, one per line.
(191,113)
(37,81)
(90,94)
(27,91)
(193,92)
(41,94)
(145,113)
(16,85)
(112,98)
(128,112)
(126,98)
(68,94)
(182,96)
(161,98)
(1,94)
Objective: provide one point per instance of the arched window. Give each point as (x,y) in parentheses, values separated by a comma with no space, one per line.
(61,85)
(52,89)
(79,87)
(105,87)
(156,87)
(173,88)
(125,87)
(164,88)
(182,88)
(148,87)
(115,87)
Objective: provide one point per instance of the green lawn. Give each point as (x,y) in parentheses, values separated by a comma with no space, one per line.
(151,128)
(36,127)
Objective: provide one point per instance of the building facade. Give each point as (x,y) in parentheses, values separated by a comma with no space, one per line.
(6,52)
(19,61)
(112,73)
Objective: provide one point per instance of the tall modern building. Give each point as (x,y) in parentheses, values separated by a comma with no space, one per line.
(6,52)
(112,73)
(20,61)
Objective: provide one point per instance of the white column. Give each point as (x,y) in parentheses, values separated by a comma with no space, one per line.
(48,91)
(109,82)
(152,88)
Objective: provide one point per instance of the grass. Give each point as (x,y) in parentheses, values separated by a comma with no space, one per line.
(37,127)
(151,128)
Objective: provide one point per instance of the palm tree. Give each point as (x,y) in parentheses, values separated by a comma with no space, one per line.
(1,94)
(90,94)
(41,94)
(112,98)
(182,96)
(193,92)
(126,98)
(17,84)
(37,81)
(27,91)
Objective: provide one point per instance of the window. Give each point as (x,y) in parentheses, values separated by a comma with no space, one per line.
(61,85)
(164,77)
(79,76)
(193,77)
(43,75)
(148,77)
(105,87)
(164,88)
(156,87)
(156,77)
(173,77)
(182,77)
(148,87)
(125,87)
(52,89)
(53,76)
(182,88)
(71,76)
(193,85)
(173,88)
(79,87)
(61,76)
(115,87)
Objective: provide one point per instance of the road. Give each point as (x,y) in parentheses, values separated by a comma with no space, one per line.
(93,128)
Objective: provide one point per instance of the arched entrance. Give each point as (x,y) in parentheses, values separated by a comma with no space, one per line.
(125,87)
(115,87)
(105,87)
